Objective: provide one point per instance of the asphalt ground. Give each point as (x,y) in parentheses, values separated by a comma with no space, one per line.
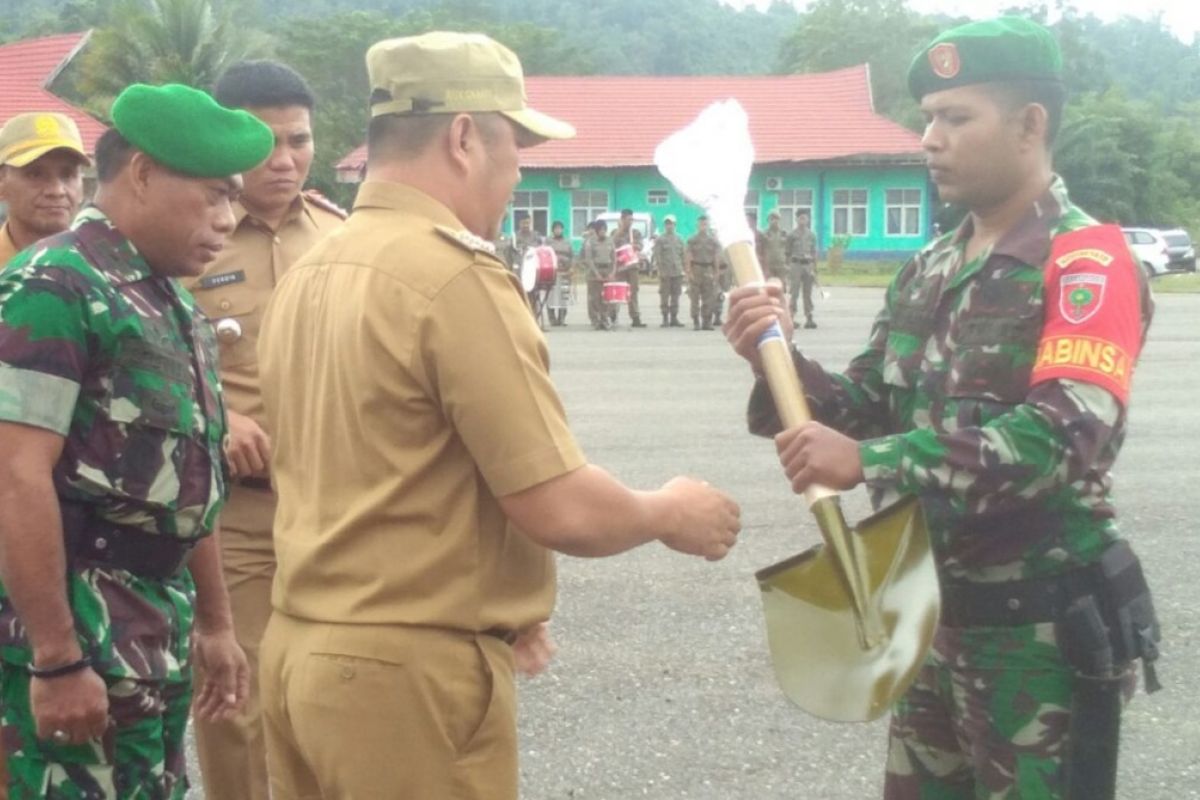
(662,686)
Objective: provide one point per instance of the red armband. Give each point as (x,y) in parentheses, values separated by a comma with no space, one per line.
(1093,321)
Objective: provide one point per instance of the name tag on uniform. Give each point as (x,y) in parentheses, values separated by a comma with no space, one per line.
(222,279)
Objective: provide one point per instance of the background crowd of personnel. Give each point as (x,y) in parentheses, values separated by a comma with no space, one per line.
(787,256)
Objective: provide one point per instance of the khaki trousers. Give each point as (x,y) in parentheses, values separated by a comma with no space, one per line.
(233,760)
(372,712)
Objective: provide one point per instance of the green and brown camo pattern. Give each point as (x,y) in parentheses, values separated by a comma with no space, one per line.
(1014,480)
(123,365)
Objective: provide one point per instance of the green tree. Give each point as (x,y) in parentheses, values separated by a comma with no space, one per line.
(885,34)
(163,41)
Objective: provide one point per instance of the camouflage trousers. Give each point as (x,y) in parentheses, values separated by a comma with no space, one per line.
(140,757)
(803,278)
(702,290)
(986,718)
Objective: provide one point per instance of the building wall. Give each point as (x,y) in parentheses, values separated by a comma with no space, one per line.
(632,187)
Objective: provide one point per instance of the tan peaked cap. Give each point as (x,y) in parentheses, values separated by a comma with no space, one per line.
(448,73)
(27,137)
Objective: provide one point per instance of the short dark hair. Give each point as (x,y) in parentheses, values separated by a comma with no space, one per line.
(1050,95)
(263,84)
(626,212)
(557,224)
(405,136)
(113,152)
(597,224)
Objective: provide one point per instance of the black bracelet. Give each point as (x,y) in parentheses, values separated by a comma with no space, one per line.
(60,670)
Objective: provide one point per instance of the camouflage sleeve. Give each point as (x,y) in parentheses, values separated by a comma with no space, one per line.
(853,402)
(1051,440)
(43,348)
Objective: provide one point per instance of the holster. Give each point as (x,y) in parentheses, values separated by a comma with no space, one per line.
(91,541)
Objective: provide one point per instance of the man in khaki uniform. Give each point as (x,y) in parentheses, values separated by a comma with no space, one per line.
(668,262)
(630,273)
(276,224)
(802,256)
(422,457)
(599,257)
(701,256)
(41,179)
(774,240)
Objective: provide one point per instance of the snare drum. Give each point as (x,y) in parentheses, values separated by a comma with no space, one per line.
(616,292)
(547,265)
(626,256)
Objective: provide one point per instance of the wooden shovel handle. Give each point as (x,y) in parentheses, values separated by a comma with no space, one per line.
(778,366)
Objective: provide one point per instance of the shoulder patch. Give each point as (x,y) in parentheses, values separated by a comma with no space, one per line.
(1093,327)
(324,203)
(467,240)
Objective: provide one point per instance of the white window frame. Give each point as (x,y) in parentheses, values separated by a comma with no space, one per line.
(533,203)
(589,209)
(753,204)
(847,209)
(789,207)
(905,206)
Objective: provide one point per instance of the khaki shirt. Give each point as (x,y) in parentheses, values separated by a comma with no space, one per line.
(600,257)
(234,289)
(8,248)
(703,249)
(407,388)
(775,248)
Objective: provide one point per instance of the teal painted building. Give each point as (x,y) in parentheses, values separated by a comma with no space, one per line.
(819,147)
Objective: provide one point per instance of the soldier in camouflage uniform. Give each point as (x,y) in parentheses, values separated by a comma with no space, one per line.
(599,257)
(505,246)
(701,256)
(801,250)
(774,255)
(111,468)
(995,387)
(526,238)
(667,259)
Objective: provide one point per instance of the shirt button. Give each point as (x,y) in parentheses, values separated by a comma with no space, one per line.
(278,240)
(347,672)
(225,305)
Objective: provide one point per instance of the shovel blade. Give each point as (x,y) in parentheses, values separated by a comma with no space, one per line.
(820,661)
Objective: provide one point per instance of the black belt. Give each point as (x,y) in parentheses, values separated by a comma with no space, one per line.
(95,543)
(261,484)
(1003,604)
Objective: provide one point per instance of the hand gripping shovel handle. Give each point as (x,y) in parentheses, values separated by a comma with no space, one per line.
(793,410)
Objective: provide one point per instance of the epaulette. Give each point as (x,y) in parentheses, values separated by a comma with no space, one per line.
(465,238)
(324,203)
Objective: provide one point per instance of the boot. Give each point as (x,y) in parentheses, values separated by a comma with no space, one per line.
(808,323)
(637,323)
(695,323)
(675,323)
(666,323)
(707,326)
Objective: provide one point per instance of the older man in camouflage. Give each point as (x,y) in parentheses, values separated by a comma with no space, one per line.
(995,387)
(111,473)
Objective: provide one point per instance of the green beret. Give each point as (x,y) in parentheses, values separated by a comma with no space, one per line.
(185,129)
(1003,49)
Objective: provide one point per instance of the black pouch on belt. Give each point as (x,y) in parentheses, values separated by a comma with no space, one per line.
(1094,734)
(1128,609)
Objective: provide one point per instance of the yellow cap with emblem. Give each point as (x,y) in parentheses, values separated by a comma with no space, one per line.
(450,73)
(27,137)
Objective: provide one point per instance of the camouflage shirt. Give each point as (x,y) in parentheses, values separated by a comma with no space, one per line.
(668,255)
(951,402)
(119,361)
(704,249)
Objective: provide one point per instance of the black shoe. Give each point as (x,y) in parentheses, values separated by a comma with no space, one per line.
(675,323)
(809,323)
(637,323)
(695,324)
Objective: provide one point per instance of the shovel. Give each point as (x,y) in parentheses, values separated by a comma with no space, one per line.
(850,621)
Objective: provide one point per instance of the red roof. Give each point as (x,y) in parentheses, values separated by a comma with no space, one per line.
(621,119)
(29,67)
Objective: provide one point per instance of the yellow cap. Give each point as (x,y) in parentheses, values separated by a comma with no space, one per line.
(450,73)
(27,137)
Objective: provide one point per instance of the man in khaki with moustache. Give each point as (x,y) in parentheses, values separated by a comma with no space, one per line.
(422,457)
(277,222)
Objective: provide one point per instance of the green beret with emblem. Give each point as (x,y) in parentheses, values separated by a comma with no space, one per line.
(187,130)
(1003,49)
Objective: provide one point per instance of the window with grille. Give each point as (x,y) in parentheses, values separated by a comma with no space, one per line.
(849,212)
(586,205)
(903,212)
